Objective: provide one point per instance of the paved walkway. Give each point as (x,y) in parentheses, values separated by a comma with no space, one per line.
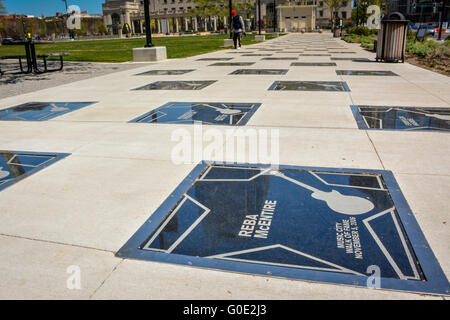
(82,209)
(17,84)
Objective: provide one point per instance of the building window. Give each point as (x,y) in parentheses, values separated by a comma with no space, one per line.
(321,13)
(344,14)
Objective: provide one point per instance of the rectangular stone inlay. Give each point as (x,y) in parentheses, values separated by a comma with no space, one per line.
(177,85)
(281,58)
(313,64)
(17,165)
(40,111)
(261,71)
(215,59)
(402,118)
(231,64)
(316,224)
(365,73)
(310,86)
(218,113)
(164,72)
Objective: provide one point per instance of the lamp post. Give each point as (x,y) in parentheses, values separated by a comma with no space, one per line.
(274,15)
(149,52)
(259,17)
(364,7)
(148,29)
(357,13)
(442,16)
(230,5)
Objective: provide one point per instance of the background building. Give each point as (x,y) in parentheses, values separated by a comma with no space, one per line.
(295,18)
(173,16)
(168,16)
(322,15)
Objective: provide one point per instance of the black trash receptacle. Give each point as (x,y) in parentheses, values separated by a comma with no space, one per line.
(337,32)
(391,40)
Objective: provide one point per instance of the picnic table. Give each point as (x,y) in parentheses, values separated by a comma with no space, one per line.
(31,56)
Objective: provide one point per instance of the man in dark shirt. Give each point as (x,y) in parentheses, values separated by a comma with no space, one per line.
(238,27)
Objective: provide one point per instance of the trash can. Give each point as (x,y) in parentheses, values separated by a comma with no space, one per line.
(391,40)
(337,32)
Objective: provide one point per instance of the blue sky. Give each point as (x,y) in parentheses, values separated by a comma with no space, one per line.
(50,7)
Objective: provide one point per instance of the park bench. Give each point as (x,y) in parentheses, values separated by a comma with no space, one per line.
(53,55)
(19,57)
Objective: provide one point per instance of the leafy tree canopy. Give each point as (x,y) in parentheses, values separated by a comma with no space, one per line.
(2,8)
(220,8)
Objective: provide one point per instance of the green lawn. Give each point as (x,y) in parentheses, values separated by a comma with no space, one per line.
(120,50)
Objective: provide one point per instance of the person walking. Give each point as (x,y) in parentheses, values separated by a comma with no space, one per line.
(238,27)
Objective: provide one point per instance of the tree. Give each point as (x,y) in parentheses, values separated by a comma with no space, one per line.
(205,8)
(333,6)
(2,7)
(244,7)
(219,8)
(359,12)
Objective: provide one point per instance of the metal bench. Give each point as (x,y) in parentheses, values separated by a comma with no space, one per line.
(53,55)
(19,57)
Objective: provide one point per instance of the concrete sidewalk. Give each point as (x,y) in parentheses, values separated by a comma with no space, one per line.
(82,209)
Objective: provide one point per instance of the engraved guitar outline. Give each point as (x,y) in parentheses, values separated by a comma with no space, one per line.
(445,117)
(3,174)
(349,205)
(225,111)
(55,108)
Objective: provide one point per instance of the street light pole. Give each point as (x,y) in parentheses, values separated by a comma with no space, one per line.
(71,33)
(274,15)
(230,5)
(148,29)
(364,7)
(442,17)
(259,16)
(357,13)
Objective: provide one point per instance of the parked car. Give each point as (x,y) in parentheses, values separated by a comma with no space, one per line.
(436,30)
(7,40)
(429,29)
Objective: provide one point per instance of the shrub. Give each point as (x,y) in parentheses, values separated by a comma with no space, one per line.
(348,39)
(362,31)
(419,48)
(350,24)
(410,35)
(443,50)
(352,38)
(432,44)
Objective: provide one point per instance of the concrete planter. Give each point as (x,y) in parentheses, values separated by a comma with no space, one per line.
(149,54)
(228,43)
